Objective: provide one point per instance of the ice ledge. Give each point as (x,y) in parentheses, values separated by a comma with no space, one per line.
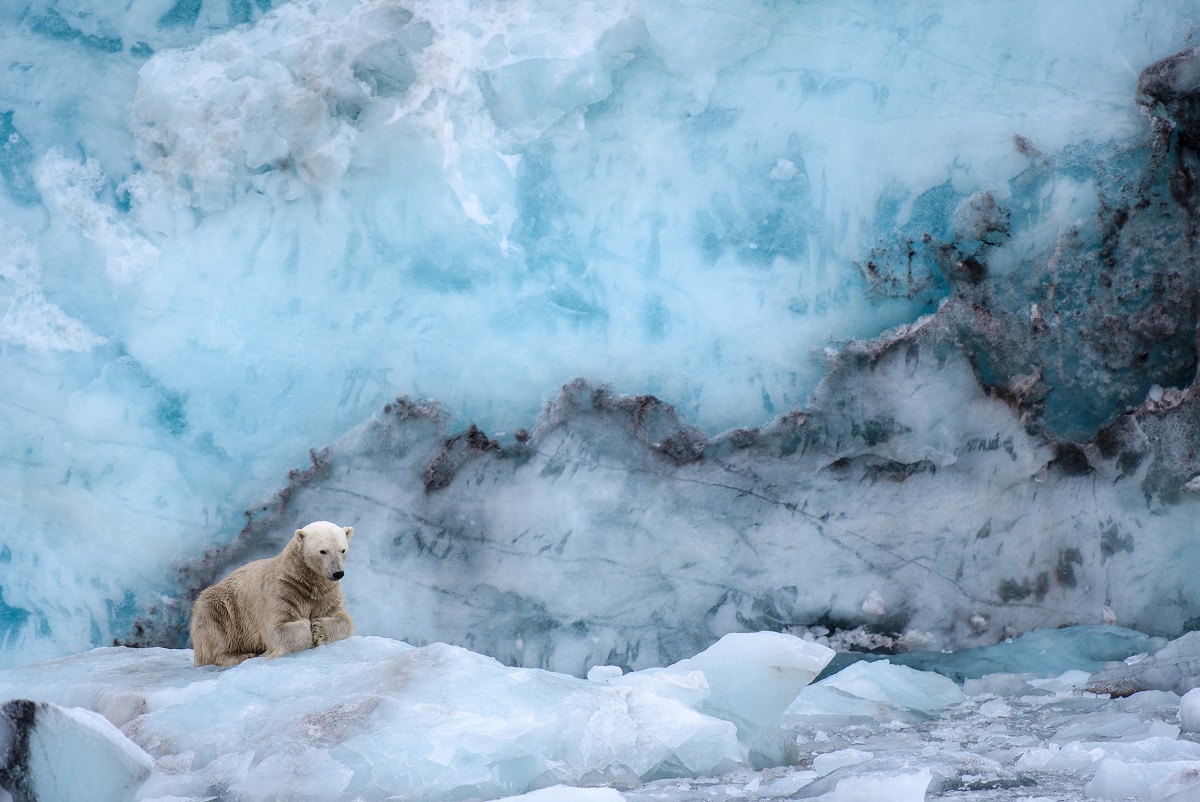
(375,714)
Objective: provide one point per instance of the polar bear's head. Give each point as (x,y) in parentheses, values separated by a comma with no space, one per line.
(324,546)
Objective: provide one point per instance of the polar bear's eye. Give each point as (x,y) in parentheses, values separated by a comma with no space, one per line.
(322,551)
(343,551)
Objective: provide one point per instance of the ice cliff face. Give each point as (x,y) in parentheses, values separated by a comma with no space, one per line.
(616,534)
(254,227)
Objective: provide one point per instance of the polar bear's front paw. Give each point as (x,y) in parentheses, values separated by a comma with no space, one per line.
(318,632)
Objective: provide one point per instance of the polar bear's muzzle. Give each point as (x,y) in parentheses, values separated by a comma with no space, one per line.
(337,575)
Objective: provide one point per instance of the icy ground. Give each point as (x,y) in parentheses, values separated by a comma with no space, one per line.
(1006,737)
(372,718)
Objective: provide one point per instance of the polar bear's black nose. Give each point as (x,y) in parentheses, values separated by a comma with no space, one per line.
(338,574)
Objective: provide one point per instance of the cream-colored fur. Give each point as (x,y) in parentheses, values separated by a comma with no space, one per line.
(286,603)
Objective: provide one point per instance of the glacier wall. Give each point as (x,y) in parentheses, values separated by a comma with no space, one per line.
(614,533)
(231,232)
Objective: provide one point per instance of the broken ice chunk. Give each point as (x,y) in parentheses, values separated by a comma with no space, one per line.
(600,673)
(1189,711)
(564,793)
(748,678)
(51,753)
(1175,667)
(899,686)
(832,761)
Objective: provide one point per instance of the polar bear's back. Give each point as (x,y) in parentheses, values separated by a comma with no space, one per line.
(236,606)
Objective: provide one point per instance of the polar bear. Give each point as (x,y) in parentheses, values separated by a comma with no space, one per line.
(286,603)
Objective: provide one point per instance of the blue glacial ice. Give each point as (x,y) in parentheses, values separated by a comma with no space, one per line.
(635,340)
(612,329)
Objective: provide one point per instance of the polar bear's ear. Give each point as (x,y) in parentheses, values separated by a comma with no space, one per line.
(300,534)
(349,530)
